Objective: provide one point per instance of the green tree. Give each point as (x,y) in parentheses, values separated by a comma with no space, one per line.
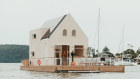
(138,51)
(107,51)
(131,52)
(91,51)
(13,53)
(118,54)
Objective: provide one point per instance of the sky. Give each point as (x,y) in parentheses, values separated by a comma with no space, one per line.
(19,17)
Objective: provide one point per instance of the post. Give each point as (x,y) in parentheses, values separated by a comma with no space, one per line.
(110,61)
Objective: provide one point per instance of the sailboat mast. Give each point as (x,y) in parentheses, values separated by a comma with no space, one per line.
(98,31)
(123,42)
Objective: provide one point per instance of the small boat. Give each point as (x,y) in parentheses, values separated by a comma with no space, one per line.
(125,63)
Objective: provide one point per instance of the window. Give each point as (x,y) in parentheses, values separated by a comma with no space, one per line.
(79,49)
(102,59)
(64,32)
(57,50)
(73,32)
(34,36)
(32,53)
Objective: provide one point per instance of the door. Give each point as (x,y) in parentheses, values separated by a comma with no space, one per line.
(65,55)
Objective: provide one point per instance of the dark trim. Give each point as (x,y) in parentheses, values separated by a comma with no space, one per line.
(55,27)
(46,34)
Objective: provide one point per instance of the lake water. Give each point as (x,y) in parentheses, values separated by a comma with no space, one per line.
(12,71)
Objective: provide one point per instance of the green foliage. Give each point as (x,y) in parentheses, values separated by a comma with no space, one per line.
(117,54)
(107,51)
(91,51)
(138,51)
(132,52)
(13,53)
(95,55)
(129,51)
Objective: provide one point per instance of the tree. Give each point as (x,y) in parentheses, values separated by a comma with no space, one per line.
(13,53)
(138,51)
(118,54)
(107,51)
(131,52)
(91,51)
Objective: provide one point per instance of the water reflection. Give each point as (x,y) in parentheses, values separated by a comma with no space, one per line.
(54,75)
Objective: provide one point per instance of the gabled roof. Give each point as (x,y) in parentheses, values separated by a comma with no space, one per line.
(52,25)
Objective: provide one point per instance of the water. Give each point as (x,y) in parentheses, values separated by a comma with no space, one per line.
(12,71)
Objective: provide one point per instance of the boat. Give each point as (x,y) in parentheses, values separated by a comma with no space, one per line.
(125,63)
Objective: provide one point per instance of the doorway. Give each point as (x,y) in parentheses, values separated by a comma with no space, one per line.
(62,55)
(65,55)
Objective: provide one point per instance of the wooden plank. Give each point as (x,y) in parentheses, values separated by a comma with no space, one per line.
(85,71)
(74,68)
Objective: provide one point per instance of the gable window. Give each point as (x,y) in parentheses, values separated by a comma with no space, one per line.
(32,53)
(34,36)
(64,32)
(73,32)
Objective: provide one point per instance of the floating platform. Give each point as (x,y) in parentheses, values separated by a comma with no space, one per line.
(74,68)
(85,71)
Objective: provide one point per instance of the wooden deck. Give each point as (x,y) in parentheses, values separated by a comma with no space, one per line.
(85,71)
(73,68)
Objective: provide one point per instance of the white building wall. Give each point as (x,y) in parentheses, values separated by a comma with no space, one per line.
(38,46)
(44,49)
(57,37)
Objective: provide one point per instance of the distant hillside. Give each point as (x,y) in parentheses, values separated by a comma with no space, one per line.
(13,53)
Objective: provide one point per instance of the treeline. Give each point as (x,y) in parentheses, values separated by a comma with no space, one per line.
(128,53)
(131,52)
(13,53)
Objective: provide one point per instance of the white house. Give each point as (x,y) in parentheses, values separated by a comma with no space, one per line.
(53,43)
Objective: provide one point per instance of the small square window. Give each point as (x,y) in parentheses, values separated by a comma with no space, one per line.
(32,53)
(34,36)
